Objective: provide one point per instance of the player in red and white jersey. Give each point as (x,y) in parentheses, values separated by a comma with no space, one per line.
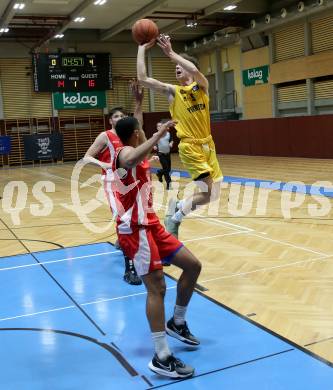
(146,241)
(111,143)
(102,152)
(133,196)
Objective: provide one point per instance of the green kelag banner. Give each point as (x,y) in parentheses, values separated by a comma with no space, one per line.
(256,76)
(79,100)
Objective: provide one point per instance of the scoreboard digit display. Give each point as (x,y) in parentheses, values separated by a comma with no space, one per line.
(70,72)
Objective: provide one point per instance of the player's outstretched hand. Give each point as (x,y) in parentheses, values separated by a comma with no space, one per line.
(149,44)
(154,158)
(166,126)
(137,90)
(164,42)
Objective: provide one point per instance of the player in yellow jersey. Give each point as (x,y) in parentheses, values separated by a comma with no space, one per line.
(189,105)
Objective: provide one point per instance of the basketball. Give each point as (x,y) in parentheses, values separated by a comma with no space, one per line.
(144,30)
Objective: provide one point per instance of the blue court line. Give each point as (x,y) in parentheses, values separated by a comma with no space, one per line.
(267,184)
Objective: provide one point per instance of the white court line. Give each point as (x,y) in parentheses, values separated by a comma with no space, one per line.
(82,304)
(216,222)
(219,222)
(266,269)
(168,288)
(118,298)
(66,178)
(32,201)
(251,233)
(38,312)
(288,244)
(107,253)
(218,235)
(57,261)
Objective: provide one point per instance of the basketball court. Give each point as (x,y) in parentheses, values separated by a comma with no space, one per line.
(77,324)
(262,306)
(259,307)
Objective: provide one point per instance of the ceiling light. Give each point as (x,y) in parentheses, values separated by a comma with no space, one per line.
(268,18)
(253,23)
(230,7)
(59,36)
(19,5)
(191,23)
(320,3)
(99,2)
(4,30)
(284,13)
(79,19)
(300,6)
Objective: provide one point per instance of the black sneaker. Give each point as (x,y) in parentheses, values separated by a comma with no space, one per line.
(171,367)
(131,277)
(159,176)
(181,332)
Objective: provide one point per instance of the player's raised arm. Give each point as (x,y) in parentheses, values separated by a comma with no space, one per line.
(164,43)
(149,82)
(138,94)
(98,145)
(130,157)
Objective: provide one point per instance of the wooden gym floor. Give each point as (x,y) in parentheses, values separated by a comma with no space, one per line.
(276,270)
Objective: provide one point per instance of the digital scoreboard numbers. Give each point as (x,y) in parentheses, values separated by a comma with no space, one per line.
(71,72)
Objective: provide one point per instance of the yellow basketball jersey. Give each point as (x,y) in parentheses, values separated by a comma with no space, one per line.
(190,108)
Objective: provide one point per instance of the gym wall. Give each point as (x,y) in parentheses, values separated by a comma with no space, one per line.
(257,99)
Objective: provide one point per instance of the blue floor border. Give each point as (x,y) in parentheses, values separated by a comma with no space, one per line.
(267,184)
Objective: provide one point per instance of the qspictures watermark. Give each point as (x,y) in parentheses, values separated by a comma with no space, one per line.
(245,198)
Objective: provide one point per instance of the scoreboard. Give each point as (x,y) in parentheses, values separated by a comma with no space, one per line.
(59,72)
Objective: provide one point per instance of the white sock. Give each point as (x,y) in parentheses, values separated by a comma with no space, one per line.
(179,315)
(178,216)
(161,346)
(180,204)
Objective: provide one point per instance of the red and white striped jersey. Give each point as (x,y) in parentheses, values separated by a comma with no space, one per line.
(134,199)
(107,155)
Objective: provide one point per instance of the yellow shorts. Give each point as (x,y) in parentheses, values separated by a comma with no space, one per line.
(199,159)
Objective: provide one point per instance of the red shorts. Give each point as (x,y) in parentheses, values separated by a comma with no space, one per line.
(149,247)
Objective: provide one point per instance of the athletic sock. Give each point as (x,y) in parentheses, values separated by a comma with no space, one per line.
(179,315)
(161,345)
(179,214)
(180,204)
